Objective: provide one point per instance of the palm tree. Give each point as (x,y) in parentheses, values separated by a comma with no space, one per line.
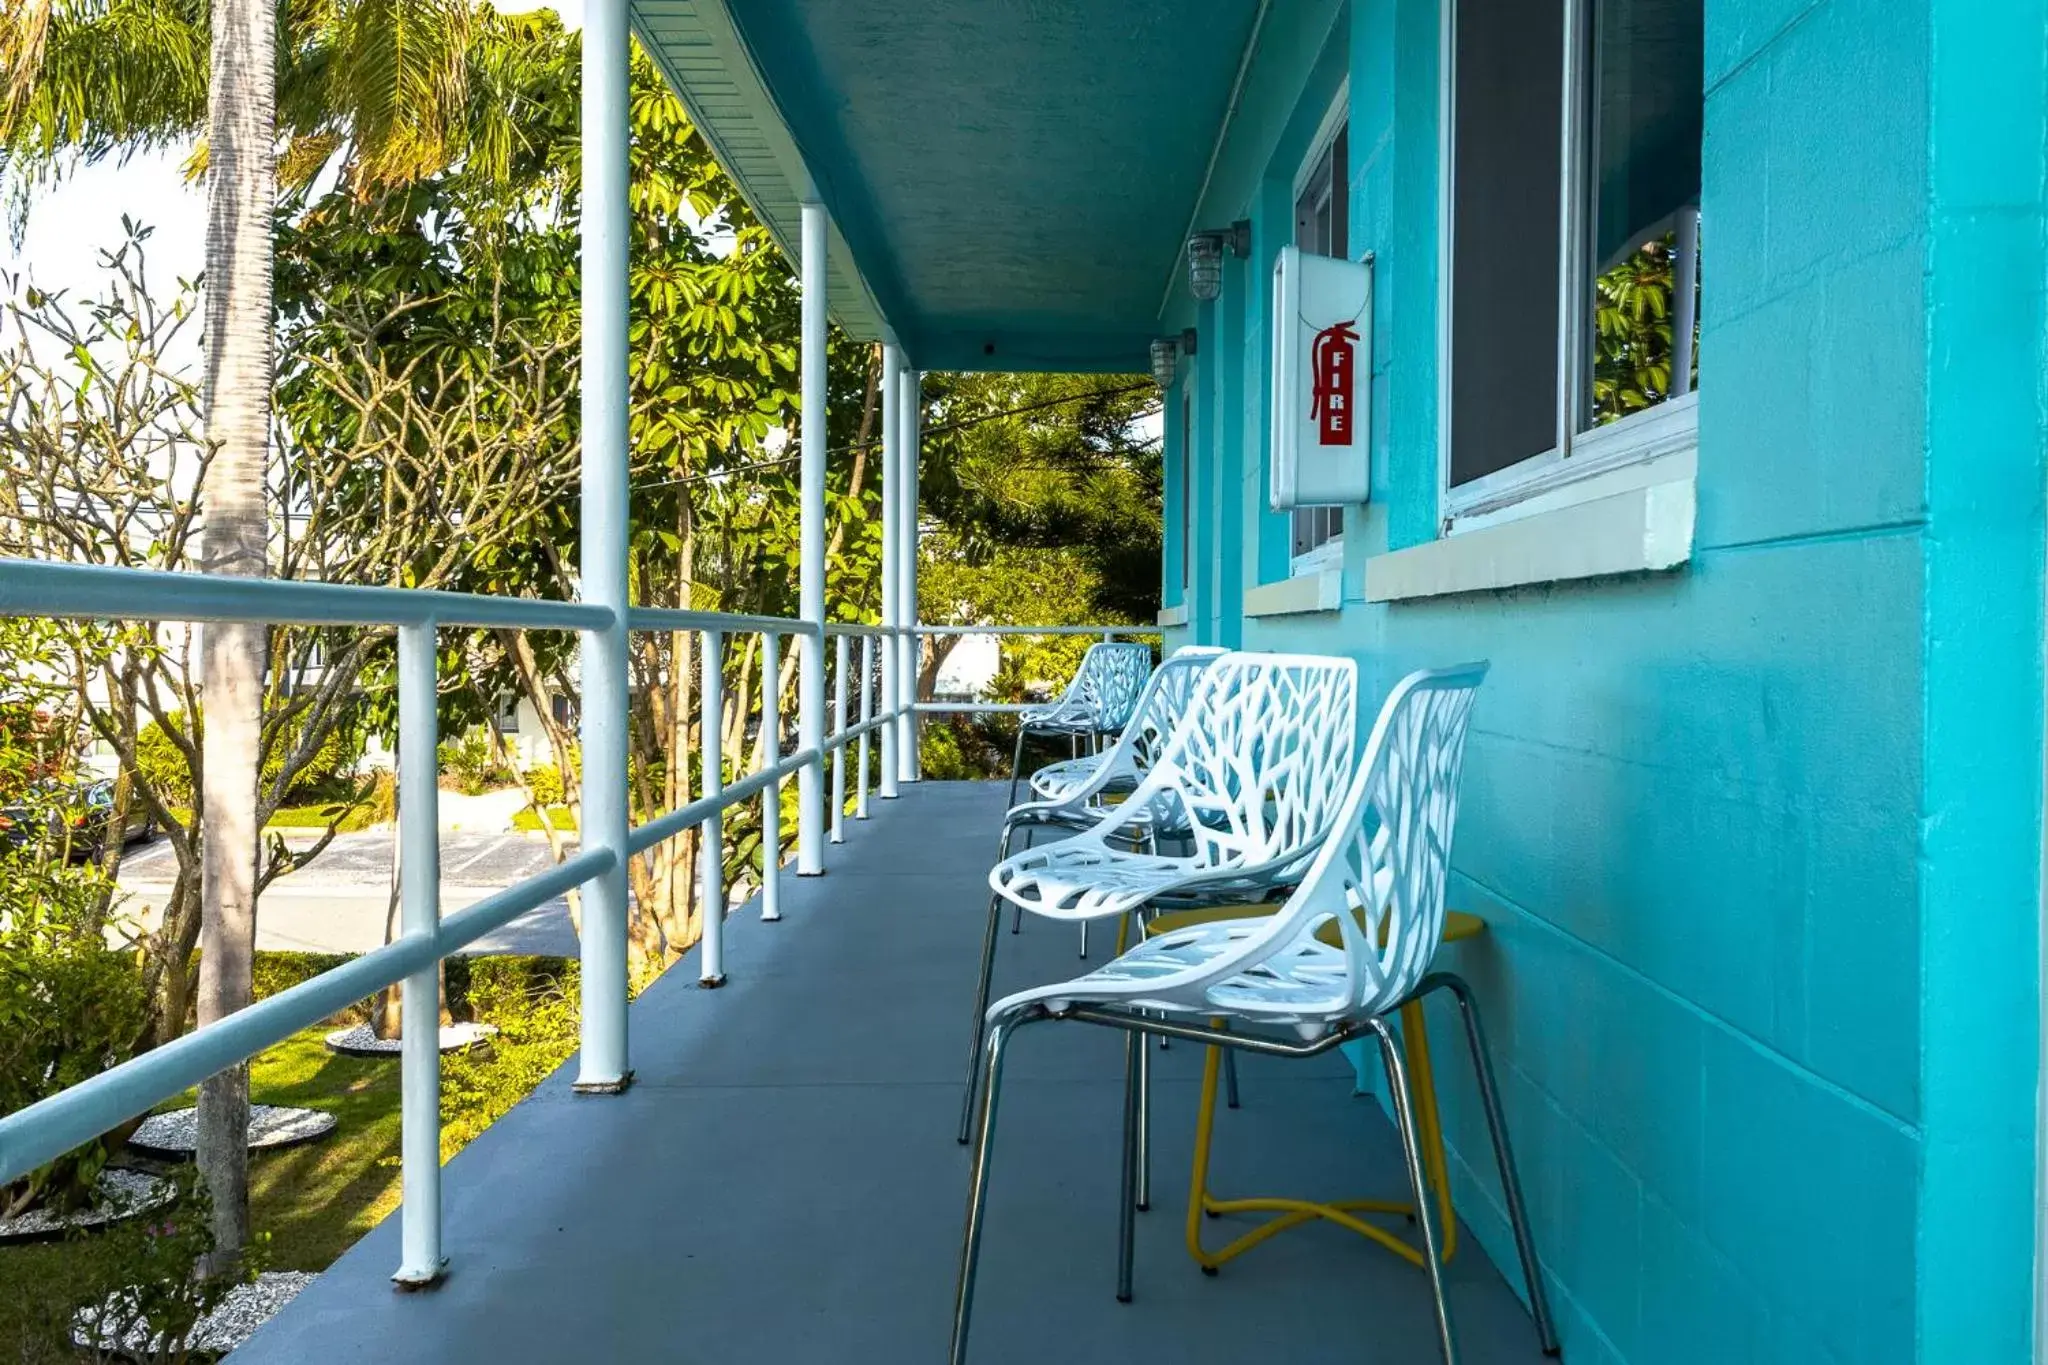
(377,83)
(241,195)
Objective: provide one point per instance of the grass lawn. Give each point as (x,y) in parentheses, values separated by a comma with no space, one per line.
(305,817)
(560,816)
(310,1203)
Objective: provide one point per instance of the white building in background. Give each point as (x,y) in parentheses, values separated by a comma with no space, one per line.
(969,669)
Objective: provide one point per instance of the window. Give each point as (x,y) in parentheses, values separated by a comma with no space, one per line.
(508,714)
(1321,224)
(1572,232)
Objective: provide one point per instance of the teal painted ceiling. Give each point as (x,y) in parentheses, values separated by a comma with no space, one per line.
(1009,180)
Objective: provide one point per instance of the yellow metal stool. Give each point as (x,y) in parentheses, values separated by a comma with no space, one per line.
(1288,1213)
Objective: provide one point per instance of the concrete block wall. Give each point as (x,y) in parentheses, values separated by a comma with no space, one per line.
(1729,825)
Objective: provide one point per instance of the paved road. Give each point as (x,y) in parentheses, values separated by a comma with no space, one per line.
(338,902)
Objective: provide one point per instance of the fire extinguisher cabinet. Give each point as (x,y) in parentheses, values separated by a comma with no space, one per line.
(1322,380)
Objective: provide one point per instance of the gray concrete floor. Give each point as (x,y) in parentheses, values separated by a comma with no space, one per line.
(782,1184)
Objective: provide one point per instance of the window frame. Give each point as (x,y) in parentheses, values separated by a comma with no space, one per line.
(1666,435)
(1328,553)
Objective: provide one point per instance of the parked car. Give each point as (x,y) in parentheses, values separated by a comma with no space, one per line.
(80,811)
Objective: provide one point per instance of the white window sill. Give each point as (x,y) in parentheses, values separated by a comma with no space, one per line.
(1173,616)
(1328,555)
(1640,530)
(1310,592)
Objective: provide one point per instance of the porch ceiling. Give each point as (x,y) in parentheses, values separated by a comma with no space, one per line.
(1010,180)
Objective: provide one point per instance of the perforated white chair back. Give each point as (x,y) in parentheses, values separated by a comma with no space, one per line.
(1104,690)
(1167,695)
(1161,703)
(1257,763)
(1380,876)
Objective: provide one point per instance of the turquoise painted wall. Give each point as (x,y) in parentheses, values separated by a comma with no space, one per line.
(1757,840)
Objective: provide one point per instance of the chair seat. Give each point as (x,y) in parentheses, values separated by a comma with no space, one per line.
(1458,925)
(1059,720)
(1302,986)
(1058,781)
(1083,879)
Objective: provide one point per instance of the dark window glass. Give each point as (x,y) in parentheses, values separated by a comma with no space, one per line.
(1646,103)
(1507,172)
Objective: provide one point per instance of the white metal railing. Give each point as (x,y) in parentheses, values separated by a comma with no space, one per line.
(52,1126)
(45,1130)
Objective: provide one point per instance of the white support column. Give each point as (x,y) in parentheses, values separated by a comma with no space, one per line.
(867,713)
(810,833)
(892,559)
(909,435)
(711,842)
(419,890)
(771,796)
(606,228)
(836,826)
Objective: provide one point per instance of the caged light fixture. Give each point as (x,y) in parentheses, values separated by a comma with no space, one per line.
(1205,257)
(1165,356)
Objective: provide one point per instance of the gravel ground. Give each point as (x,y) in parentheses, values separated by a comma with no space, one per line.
(362,1040)
(122,1194)
(246,1307)
(176,1134)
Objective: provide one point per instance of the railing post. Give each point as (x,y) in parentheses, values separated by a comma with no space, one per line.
(606,228)
(909,438)
(810,842)
(837,728)
(892,561)
(419,890)
(867,713)
(771,795)
(711,845)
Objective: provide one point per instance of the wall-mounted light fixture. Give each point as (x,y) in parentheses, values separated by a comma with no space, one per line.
(1164,358)
(1205,257)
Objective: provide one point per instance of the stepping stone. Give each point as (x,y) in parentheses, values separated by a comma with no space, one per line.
(121,1194)
(362,1040)
(233,1321)
(174,1136)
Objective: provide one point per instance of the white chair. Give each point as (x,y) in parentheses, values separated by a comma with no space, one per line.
(1255,771)
(1097,702)
(1166,695)
(1268,985)
(1072,795)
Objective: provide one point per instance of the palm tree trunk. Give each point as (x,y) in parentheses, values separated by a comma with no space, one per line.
(241,193)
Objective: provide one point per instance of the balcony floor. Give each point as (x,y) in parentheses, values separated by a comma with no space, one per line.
(781,1183)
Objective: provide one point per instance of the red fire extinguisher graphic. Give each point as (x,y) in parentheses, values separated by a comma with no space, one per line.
(1334,353)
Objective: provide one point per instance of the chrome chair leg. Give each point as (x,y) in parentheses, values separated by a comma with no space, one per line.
(1230,1077)
(1503,1155)
(977,1196)
(1411,1149)
(1084,940)
(988,965)
(1144,1157)
(1016,764)
(1017,921)
(1127,1201)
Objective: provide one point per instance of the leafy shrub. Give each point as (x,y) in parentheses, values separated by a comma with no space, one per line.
(70,1008)
(136,1279)
(472,764)
(160,763)
(534,1003)
(329,775)
(546,782)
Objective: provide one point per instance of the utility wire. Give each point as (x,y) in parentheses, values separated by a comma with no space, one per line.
(960,425)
